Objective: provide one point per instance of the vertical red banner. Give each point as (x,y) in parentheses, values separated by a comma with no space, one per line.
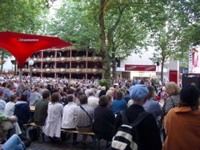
(173,76)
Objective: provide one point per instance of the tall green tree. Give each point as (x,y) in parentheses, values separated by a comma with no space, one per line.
(180,23)
(112,28)
(22,16)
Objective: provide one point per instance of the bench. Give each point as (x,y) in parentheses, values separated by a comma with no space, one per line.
(38,127)
(78,132)
(95,138)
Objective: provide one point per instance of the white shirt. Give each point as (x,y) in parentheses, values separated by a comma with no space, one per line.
(2,105)
(81,117)
(54,119)
(68,119)
(9,108)
(93,101)
(87,91)
(35,97)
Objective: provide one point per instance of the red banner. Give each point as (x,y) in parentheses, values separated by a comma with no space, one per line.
(173,76)
(140,67)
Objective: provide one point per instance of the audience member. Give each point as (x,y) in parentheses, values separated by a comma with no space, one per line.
(119,104)
(104,120)
(87,90)
(35,97)
(152,105)
(172,101)
(5,125)
(22,110)
(182,124)
(2,102)
(15,143)
(9,111)
(68,119)
(52,127)
(148,132)
(83,117)
(92,100)
(103,91)
(41,107)
(8,92)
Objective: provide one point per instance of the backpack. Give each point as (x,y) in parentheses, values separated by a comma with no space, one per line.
(127,136)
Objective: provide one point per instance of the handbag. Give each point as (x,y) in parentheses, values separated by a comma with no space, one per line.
(7,125)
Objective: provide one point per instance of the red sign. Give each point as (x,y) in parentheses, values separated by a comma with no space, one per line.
(173,76)
(140,67)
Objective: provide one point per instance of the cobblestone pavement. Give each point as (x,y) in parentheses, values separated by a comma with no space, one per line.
(67,145)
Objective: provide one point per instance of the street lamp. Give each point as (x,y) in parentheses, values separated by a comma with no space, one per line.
(15,66)
(30,63)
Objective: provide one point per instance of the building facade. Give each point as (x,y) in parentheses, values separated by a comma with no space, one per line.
(65,63)
(141,66)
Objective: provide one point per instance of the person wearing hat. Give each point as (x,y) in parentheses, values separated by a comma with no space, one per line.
(148,130)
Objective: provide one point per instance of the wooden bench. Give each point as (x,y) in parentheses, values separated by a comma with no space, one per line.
(32,124)
(94,137)
(38,127)
(78,132)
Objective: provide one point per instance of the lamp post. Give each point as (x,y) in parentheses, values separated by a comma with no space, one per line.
(30,63)
(15,66)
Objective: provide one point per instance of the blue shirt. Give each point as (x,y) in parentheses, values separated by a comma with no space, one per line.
(118,105)
(153,107)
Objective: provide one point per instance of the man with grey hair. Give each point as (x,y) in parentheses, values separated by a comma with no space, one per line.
(92,100)
(68,118)
(8,92)
(2,102)
(148,132)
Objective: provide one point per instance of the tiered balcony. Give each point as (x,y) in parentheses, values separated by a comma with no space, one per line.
(48,59)
(72,70)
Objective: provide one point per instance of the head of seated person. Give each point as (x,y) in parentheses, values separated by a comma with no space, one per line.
(46,94)
(83,99)
(104,101)
(189,97)
(55,97)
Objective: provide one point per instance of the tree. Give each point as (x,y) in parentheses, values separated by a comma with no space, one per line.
(189,18)
(180,22)
(165,46)
(3,54)
(133,10)
(21,16)
(112,28)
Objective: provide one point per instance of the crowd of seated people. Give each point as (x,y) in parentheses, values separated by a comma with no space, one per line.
(85,106)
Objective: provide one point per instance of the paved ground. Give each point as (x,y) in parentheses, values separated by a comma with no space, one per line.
(67,145)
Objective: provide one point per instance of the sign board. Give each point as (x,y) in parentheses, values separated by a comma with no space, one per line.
(194,59)
(140,67)
(173,76)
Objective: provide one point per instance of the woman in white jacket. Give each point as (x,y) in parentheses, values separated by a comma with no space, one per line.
(52,127)
(9,111)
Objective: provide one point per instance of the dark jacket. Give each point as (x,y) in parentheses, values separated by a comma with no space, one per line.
(147,129)
(22,111)
(104,123)
(40,114)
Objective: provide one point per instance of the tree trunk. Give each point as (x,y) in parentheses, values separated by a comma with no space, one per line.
(104,49)
(162,68)
(114,64)
(2,60)
(15,72)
